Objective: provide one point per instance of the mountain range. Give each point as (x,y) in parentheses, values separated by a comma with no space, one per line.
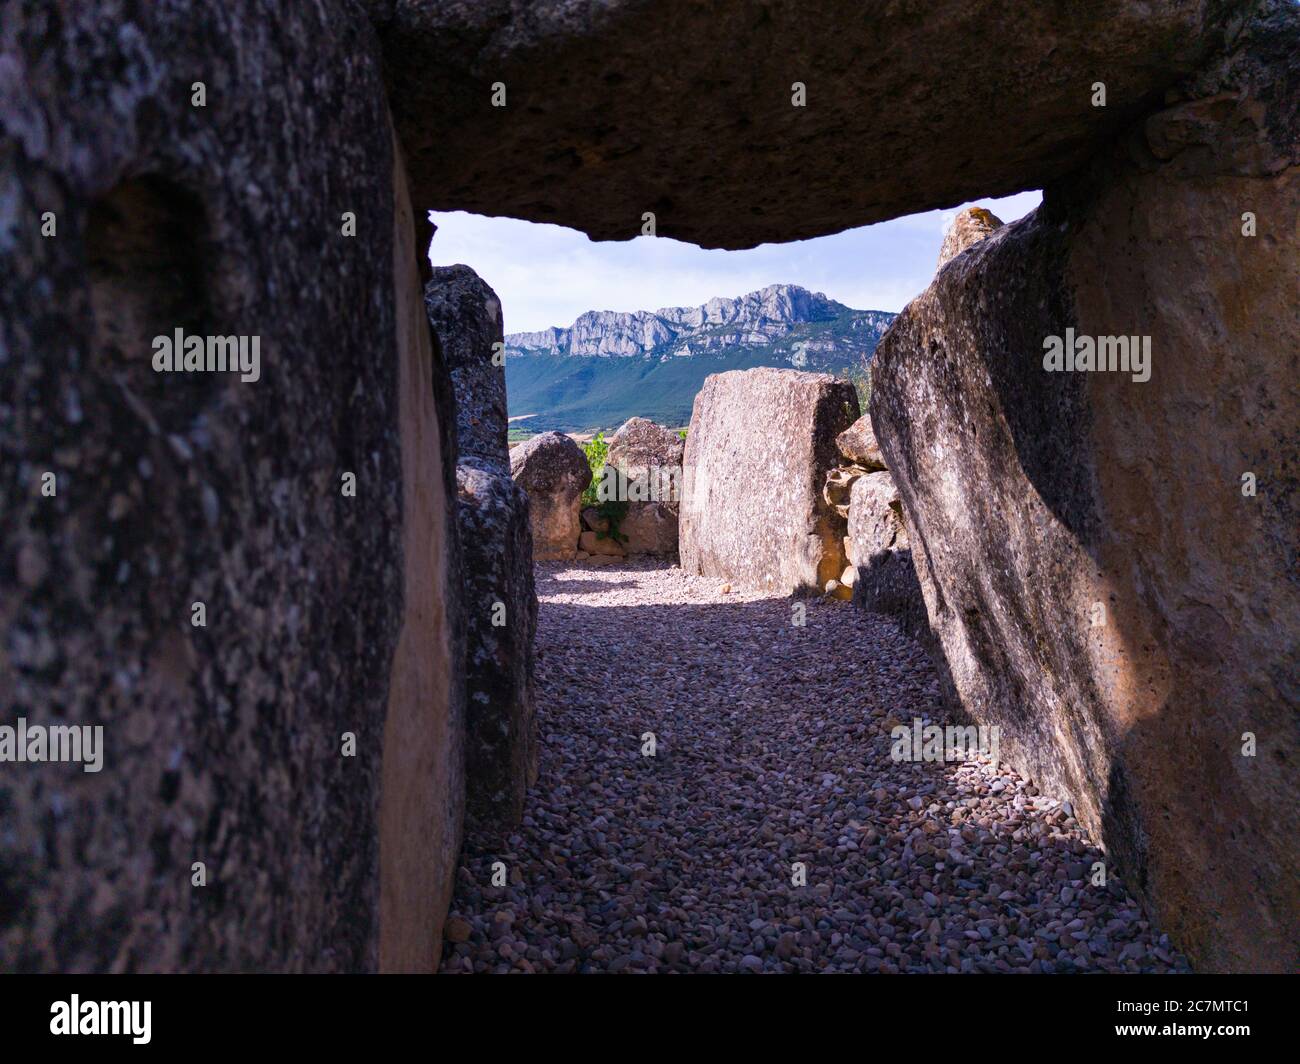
(609,366)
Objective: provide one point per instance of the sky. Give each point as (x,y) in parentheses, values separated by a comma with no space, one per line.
(547,275)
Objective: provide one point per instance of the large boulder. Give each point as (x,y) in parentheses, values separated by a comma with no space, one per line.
(497,543)
(576,113)
(649,459)
(969,227)
(1108,557)
(758,452)
(858,445)
(553,472)
(280,786)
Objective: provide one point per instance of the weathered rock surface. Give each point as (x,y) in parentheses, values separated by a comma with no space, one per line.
(501,619)
(466,316)
(857,443)
(1102,586)
(875,518)
(595,543)
(553,472)
(651,528)
(610,107)
(758,451)
(969,227)
(224,743)
(649,457)
(497,542)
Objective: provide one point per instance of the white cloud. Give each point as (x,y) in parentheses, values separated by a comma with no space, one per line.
(547,275)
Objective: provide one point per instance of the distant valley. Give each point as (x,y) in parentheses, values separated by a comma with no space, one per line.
(609,366)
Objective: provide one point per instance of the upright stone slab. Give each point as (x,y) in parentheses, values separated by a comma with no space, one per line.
(553,472)
(497,548)
(649,459)
(295,755)
(760,445)
(1108,557)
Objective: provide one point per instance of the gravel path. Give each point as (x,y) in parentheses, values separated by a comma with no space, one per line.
(773,749)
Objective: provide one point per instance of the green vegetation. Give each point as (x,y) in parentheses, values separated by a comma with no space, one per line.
(613,510)
(861,378)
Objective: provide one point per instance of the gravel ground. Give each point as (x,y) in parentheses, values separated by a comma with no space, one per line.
(773,748)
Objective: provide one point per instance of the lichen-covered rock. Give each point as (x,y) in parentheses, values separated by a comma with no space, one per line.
(649,457)
(466,316)
(501,617)
(857,443)
(969,227)
(596,128)
(1105,583)
(301,746)
(554,472)
(760,445)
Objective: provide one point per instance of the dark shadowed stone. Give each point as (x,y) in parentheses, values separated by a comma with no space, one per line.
(858,444)
(500,600)
(969,227)
(650,459)
(1102,588)
(610,107)
(760,445)
(466,316)
(501,613)
(554,472)
(223,743)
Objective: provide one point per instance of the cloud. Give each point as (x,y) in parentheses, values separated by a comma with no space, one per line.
(547,275)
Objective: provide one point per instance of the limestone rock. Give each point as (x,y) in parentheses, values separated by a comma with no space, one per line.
(649,457)
(1100,585)
(330,619)
(641,444)
(501,618)
(1010,111)
(651,528)
(595,543)
(969,227)
(838,487)
(592,519)
(875,518)
(858,444)
(760,445)
(466,317)
(554,472)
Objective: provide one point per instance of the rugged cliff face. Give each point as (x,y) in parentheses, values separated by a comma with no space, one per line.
(803,328)
(1104,581)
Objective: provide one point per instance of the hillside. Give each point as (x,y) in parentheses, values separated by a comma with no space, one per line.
(609,366)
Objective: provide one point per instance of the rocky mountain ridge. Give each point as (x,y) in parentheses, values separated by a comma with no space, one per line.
(800,328)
